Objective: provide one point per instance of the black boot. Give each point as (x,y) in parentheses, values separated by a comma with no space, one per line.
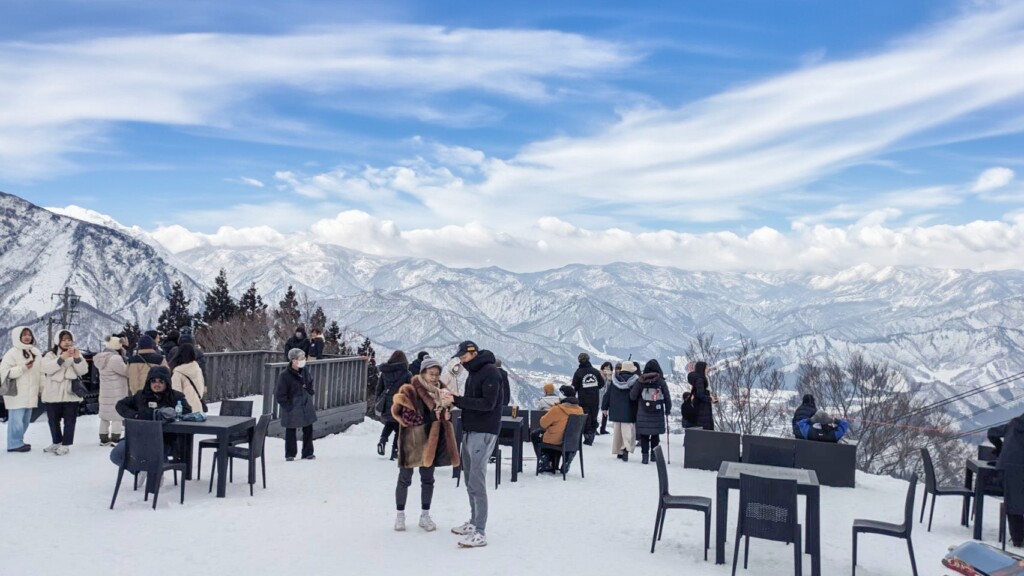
(394,451)
(625,456)
(567,463)
(647,458)
(604,425)
(381,446)
(588,439)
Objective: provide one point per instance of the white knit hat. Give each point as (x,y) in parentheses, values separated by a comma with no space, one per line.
(113,343)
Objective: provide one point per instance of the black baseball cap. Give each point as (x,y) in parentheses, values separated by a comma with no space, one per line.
(465,347)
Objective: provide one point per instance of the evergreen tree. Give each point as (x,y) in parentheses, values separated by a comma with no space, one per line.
(132,332)
(318,320)
(287,316)
(372,374)
(219,305)
(251,302)
(176,315)
(332,339)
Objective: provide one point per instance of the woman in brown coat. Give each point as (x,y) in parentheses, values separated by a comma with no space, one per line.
(426,438)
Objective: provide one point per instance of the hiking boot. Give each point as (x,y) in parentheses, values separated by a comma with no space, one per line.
(104,439)
(114,439)
(426,522)
(400,522)
(464,530)
(62,450)
(289,458)
(474,540)
(381,446)
(310,457)
(22,448)
(567,463)
(654,456)
(52,448)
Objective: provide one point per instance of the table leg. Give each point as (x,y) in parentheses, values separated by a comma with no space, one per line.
(189,447)
(517,447)
(222,465)
(979,505)
(721,521)
(813,535)
(965,511)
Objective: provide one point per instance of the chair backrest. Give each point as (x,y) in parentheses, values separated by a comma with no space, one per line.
(144,448)
(771,455)
(662,471)
(535,416)
(908,510)
(929,471)
(236,408)
(986,452)
(259,436)
(573,433)
(768,508)
(506,410)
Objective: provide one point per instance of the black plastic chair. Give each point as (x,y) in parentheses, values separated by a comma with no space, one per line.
(250,454)
(535,416)
(771,456)
(892,530)
(227,408)
(572,442)
(668,502)
(144,452)
(768,510)
(931,487)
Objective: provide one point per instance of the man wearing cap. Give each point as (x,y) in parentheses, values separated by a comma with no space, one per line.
(588,382)
(481,423)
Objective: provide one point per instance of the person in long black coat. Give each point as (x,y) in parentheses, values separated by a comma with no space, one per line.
(654,403)
(298,341)
(1011,466)
(588,382)
(393,374)
(620,408)
(294,394)
(702,397)
(804,411)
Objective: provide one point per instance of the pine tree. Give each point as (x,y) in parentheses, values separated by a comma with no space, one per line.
(332,339)
(287,316)
(176,315)
(251,302)
(372,374)
(219,306)
(318,320)
(132,332)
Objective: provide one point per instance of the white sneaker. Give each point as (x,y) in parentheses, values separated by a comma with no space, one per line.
(427,523)
(474,540)
(464,530)
(400,522)
(61,450)
(52,449)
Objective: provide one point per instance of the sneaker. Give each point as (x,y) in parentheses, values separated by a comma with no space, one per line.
(400,522)
(474,540)
(61,450)
(427,523)
(52,448)
(464,530)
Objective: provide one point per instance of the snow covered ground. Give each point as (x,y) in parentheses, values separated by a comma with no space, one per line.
(334,516)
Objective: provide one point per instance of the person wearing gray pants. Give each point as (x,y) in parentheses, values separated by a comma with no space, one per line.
(477,448)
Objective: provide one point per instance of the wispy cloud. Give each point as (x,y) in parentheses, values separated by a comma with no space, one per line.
(246,181)
(992,179)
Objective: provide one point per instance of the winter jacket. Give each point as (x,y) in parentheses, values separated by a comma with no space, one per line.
(481,403)
(15,365)
(822,432)
(172,358)
(588,382)
(653,400)
(803,412)
(139,366)
(506,388)
(424,440)
(166,347)
(416,364)
(688,410)
(1011,466)
(618,401)
(58,373)
(294,394)
(296,342)
(392,376)
(188,379)
(702,399)
(113,382)
(454,375)
(556,419)
(548,402)
(316,348)
(145,403)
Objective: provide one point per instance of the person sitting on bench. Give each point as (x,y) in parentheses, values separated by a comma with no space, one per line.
(552,430)
(804,411)
(822,428)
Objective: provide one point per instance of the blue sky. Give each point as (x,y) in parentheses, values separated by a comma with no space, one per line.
(528,135)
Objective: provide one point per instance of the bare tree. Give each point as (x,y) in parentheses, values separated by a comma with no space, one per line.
(244,332)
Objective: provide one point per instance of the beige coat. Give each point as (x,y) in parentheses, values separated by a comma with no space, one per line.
(180,382)
(138,369)
(14,365)
(58,374)
(113,382)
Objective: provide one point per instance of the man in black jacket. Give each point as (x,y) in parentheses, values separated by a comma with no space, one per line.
(481,423)
(588,382)
(155,396)
(297,341)
(805,411)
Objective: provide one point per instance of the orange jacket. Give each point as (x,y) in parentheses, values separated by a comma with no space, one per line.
(554,421)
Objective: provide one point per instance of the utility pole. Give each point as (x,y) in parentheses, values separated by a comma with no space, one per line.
(68,311)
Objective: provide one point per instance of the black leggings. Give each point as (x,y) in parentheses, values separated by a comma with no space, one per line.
(389,427)
(405,481)
(649,442)
(68,412)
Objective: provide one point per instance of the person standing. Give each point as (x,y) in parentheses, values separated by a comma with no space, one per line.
(653,404)
(298,341)
(316,344)
(294,394)
(187,339)
(22,364)
(701,396)
(142,362)
(426,439)
(167,344)
(620,408)
(417,365)
(393,374)
(588,383)
(606,372)
(113,387)
(481,423)
(61,366)
(187,377)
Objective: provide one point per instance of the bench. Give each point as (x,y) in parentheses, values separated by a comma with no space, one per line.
(706,449)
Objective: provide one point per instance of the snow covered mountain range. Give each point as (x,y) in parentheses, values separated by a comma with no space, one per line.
(951,328)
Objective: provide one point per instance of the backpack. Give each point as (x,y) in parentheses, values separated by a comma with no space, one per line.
(689,408)
(651,399)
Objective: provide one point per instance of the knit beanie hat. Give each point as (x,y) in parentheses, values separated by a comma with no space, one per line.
(568,391)
(549,389)
(429,363)
(295,354)
(146,343)
(112,343)
(628,366)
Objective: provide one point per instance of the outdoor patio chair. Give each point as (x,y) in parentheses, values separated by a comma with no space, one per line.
(668,502)
(227,408)
(931,487)
(144,452)
(891,530)
(250,454)
(768,510)
(572,442)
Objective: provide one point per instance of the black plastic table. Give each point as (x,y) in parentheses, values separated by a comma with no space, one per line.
(223,427)
(807,486)
(515,425)
(984,470)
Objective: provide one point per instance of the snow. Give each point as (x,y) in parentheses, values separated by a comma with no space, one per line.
(335,515)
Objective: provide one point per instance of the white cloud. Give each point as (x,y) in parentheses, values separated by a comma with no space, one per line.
(250,182)
(992,179)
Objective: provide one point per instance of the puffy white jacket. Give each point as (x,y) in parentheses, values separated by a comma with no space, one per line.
(113,382)
(57,376)
(15,365)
